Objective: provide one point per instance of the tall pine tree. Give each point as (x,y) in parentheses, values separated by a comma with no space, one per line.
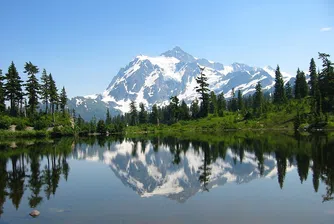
(313,78)
(288,91)
(13,89)
(279,93)
(133,113)
(203,90)
(2,94)
(63,99)
(45,89)
(258,100)
(32,87)
(154,116)
(142,114)
(53,94)
(221,104)
(326,82)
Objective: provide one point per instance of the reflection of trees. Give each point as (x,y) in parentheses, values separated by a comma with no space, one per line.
(301,151)
(27,166)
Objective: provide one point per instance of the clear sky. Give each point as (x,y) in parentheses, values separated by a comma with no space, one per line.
(84,43)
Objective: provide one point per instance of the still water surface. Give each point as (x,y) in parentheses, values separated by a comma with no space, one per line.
(237,178)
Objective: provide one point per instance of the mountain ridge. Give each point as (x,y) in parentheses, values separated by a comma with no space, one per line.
(154,79)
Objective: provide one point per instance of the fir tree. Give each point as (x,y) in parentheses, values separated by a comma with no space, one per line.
(13,89)
(221,104)
(304,89)
(63,99)
(279,93)
(240,101)
(184,111)
(233,104)
(53,94)
(154,116)
(174,105)
(288,91)
(142,114)
(213,103)
(45,89)
(32,87)
(258,99)
(203,90)
(194,109)
(2,94)
(108,118)
(133,113)
(326,82)
(313,78)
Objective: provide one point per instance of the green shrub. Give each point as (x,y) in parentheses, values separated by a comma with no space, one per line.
(5,122)
(41,124)
(20,126)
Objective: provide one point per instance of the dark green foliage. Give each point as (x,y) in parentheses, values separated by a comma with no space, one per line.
(326,83)
(108,118)
(203,90)
(258,100)
(184,111)
(313,78)
(279,92)
(13,89)
(301,87)
(288,91)
(213,107)
(45,89)
(2,94)
(32,87)
(63,99)
(194,109)
(174,107)
(240,100)
(154,116)
(142,114)
(5,122)
(101,127)
(133,113)
(233,103)
(53,94)
(221,104)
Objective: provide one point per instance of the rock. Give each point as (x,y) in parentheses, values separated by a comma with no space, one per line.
(34,213)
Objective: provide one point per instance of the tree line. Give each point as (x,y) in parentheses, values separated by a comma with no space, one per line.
(318,93)
(24,97)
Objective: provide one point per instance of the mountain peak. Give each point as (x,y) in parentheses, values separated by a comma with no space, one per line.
(178,53)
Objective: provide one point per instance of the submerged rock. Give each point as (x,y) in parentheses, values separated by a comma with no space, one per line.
(34,213)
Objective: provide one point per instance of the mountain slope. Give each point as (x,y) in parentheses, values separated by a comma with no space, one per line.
(153,80)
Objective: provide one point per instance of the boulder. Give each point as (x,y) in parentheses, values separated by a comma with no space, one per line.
(34,213)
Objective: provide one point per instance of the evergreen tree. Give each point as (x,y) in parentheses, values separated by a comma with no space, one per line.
(45,89)
(32,87)
(108,118)
(279,93)
(133,113)
(2,94)
(298,85)
(326,83)
(13,89)
(240,101)
(174,105)
(304,89)
(154,115)
(233,104)
(101,127)
(203,90)
(63,99)
(184,111)
(194,109)
(258,99)
(313,78)
(221,104)
(53,94)
(288,91)
(142,114)
(213,103)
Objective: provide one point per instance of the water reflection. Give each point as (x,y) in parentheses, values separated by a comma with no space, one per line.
(176,168)
(21,170)
(179,168)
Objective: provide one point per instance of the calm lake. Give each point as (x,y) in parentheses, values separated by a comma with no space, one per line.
(231,178)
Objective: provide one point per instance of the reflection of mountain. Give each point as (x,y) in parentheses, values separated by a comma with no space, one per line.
(150,172)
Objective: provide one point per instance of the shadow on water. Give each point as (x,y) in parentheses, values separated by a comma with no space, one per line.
(206,160)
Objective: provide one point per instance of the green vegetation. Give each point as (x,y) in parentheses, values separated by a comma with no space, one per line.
(303,107)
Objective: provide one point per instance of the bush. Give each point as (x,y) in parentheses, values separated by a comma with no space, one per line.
(20,126)
(5,122)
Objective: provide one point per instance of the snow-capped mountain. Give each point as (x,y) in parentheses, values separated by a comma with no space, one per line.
(153,80)
(152,172)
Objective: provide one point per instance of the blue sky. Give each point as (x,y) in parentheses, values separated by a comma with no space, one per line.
(84,43)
